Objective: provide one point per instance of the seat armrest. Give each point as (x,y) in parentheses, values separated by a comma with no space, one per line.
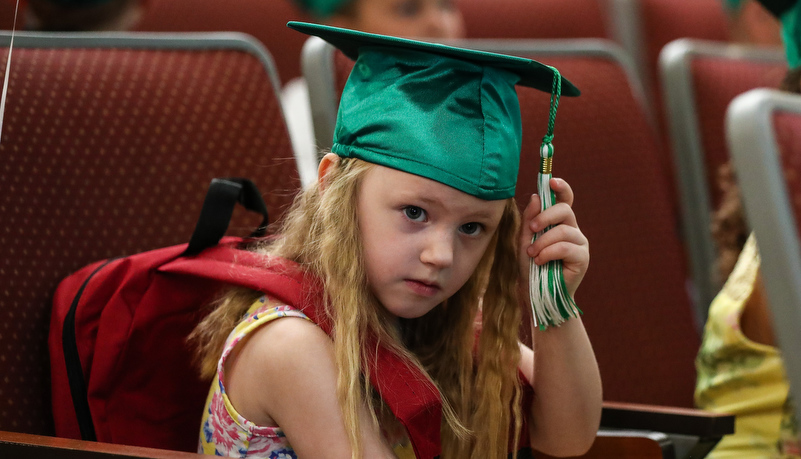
(13,444)
(683,421)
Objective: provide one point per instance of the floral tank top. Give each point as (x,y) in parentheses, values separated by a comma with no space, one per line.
(223,431)
(743,377)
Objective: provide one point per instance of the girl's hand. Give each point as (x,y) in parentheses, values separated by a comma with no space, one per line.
(564,241)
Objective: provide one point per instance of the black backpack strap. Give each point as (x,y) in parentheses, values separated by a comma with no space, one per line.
(72,360)
(218,207)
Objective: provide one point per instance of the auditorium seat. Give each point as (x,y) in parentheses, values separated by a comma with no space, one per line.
(700,80)
(109,143)
(263,19)
(644,27)
(763,128)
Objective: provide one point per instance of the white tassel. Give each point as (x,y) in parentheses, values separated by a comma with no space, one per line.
(551,303)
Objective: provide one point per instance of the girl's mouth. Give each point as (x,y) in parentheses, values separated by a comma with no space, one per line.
(422,288)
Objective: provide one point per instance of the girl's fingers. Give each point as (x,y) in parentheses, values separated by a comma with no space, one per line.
(562,191)
(556,235)
(532,208)
(560,214)
(570,254)
(529,214)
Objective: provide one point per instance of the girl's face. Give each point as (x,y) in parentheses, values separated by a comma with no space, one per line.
(404,18)
(422,239)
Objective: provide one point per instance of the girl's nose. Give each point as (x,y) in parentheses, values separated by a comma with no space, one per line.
(438,250)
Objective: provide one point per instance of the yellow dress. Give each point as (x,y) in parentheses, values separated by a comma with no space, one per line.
(742,377)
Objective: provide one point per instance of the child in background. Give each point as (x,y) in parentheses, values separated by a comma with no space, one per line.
(403,18)
(414,237)
(740,369)
(81,15)
(438,19)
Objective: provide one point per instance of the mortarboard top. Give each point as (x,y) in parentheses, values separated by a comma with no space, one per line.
(532,74)
(445,113)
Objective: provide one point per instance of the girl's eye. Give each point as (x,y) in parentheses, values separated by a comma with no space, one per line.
(471,229)
(414,213)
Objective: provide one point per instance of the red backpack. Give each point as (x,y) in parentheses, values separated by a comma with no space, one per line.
(122,371)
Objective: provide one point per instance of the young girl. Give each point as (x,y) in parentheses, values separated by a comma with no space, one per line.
(409,248)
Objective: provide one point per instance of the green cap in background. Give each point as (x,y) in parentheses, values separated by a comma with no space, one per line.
(321,8)
(445,113)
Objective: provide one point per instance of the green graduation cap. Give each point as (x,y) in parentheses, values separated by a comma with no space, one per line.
(407,102)
(448,114)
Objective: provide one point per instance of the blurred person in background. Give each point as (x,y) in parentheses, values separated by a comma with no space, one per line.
(750,23)
(431,19)
(740,369)
(79,15)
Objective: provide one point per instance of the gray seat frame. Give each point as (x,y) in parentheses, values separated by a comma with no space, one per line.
(752,139)
(688,156)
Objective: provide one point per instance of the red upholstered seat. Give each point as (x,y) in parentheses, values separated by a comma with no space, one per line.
(646,26)
(787,128)
(263,19)
(700,80)
(108,150)
(637,310)
(666,20)
(716,80)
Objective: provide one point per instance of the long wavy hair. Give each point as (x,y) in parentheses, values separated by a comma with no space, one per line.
(478,382)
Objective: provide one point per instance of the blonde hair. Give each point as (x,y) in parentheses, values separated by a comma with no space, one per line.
(321,234)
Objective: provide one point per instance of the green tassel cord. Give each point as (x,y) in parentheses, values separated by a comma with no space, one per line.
(551,303)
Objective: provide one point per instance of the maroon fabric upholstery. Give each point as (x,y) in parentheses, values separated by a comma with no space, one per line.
(637,311)
(716,81)
(535,19)
(264,19)
(663,21)
(109,152)
(787,128)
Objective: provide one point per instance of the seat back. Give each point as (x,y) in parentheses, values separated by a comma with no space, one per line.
(263,19)
(109,143)
(638,313)
(763,128)
(644,27)
(540,19)
(700,80)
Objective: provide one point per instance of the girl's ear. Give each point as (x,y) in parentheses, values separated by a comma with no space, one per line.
(329,160)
